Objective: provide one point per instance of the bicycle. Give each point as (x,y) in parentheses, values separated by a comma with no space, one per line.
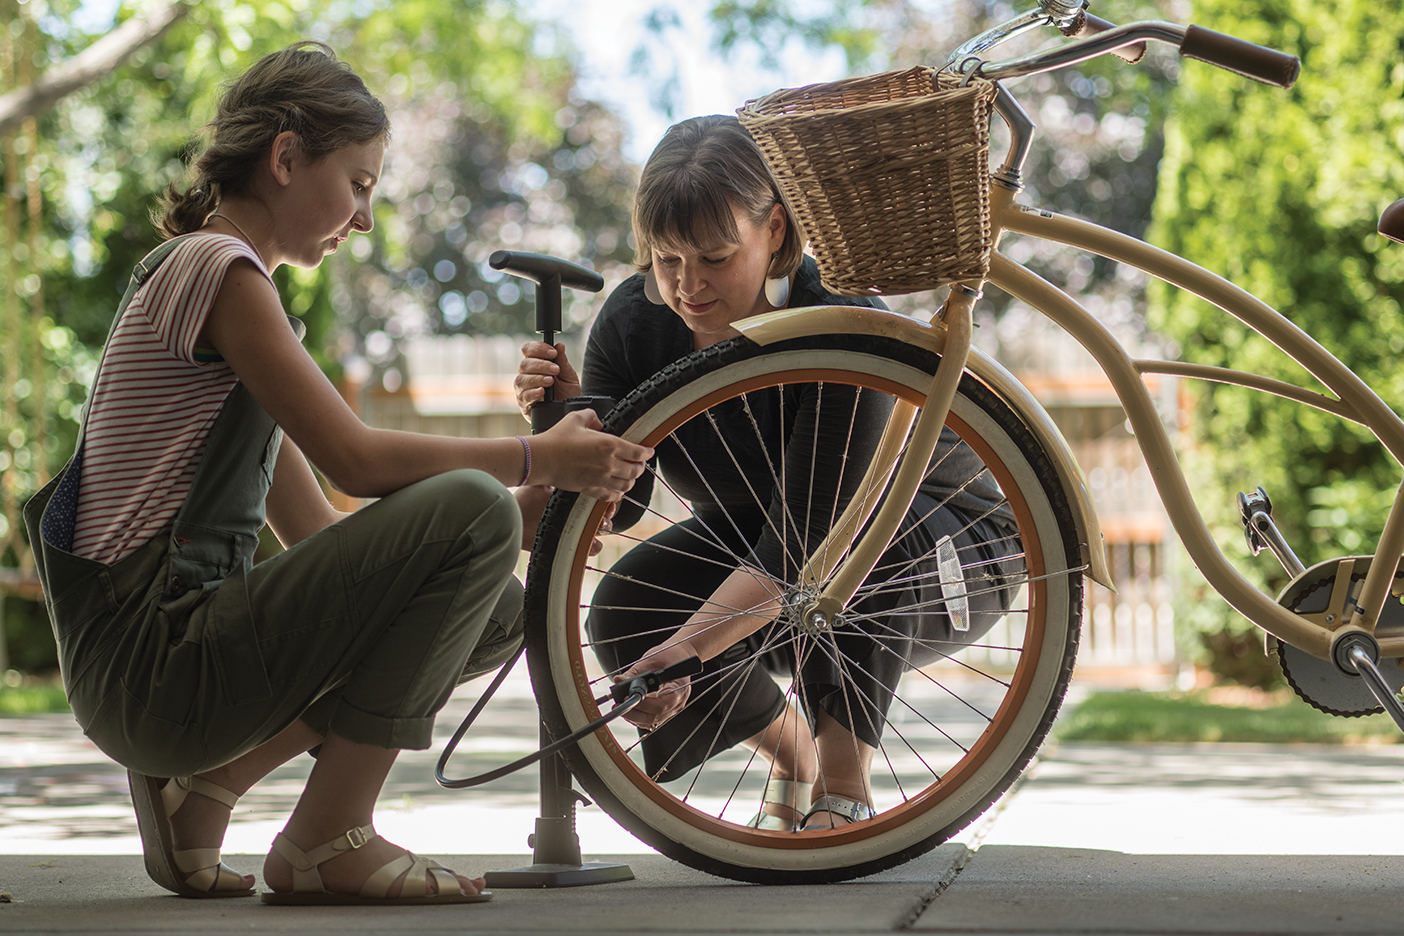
(968,715)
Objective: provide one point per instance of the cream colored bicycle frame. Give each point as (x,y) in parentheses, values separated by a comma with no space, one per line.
(1353,400)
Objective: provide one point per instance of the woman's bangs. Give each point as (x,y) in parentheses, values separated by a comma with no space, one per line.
(694,217)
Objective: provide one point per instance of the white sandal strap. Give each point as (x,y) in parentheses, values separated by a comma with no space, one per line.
(840,806)
(789,793)
(213,790)
(218,877)
(416,871)
(378,884)
(204,871)
(192,860)
(304,864)
(175,791)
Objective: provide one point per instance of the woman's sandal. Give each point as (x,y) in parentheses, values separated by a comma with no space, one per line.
(787,793)
(842,807)
(307,882)
(192,872)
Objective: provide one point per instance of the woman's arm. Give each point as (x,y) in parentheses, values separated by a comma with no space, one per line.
(841,420)
(247,326)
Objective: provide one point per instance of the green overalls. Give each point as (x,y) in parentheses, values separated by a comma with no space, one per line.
(184,655)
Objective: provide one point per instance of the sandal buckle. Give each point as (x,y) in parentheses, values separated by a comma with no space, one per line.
(357,837)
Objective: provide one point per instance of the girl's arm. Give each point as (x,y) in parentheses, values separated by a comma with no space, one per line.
(296,507)
(247,326)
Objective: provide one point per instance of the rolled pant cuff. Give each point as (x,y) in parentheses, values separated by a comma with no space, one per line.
(404,734)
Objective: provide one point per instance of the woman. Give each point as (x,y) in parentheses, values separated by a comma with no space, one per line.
(715,245)
(201,672)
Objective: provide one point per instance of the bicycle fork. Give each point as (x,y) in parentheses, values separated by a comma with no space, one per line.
(850,568)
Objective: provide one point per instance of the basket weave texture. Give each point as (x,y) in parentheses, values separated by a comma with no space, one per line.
(888,176)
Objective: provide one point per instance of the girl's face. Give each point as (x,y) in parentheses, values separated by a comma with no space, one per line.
(328,199)
(709,289)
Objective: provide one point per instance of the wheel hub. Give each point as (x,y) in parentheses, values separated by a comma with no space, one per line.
(801,612)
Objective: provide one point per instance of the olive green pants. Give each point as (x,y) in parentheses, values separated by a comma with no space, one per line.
(363,629)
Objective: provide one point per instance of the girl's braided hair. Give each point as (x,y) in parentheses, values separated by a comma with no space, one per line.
(303,88)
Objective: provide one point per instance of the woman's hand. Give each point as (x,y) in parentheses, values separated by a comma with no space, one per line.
(543,366)
(669,699)
(575,455)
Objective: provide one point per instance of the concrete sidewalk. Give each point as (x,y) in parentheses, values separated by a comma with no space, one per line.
(1096,839)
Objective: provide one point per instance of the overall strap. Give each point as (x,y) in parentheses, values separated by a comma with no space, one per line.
(56,526)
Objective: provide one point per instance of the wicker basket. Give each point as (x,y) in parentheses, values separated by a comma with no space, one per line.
(888,176)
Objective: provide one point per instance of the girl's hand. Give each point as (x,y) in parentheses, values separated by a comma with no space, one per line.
(670,698)
(575,455)
(544,366)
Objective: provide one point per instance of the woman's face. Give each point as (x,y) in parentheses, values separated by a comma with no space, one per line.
(724,283)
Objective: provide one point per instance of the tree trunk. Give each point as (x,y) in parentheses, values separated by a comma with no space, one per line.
(88,66)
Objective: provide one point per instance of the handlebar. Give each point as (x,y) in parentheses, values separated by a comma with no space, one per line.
(1089,25)
(1096,36)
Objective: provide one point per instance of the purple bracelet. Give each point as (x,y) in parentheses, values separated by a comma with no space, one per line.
(526,450)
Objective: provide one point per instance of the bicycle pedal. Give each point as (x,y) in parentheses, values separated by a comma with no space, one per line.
(1255,510)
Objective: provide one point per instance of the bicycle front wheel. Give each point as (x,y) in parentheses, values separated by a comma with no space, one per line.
(963,721)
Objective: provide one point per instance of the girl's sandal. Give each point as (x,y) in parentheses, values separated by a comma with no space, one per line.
(787,793)
(842,807)
(307,881)
(192,872)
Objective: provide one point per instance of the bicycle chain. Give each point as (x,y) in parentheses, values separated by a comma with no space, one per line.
(1301,690)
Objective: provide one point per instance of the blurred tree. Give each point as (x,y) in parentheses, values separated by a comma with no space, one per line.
(490,149)
(1280,192)
(92,64)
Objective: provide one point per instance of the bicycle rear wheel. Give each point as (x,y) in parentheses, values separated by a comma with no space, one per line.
(960,729)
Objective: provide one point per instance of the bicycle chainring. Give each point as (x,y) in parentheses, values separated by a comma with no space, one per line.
(1320,682)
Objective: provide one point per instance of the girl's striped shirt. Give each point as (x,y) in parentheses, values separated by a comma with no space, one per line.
(153,402)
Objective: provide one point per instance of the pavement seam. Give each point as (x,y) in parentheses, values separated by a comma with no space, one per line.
(979,830)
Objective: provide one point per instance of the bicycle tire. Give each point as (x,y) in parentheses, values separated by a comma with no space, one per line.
(670,820)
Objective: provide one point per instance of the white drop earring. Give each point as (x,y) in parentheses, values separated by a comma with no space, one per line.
(651,292)
(777,291)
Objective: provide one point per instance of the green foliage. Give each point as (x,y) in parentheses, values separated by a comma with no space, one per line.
(29,640)
(32,700)
(1163,716)
(1280,192)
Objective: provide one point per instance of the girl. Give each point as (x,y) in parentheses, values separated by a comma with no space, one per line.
(201,672)
(716,244)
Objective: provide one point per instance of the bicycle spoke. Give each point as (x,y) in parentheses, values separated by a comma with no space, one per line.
(719,540)
(838,657)
(933,702)
(711,420)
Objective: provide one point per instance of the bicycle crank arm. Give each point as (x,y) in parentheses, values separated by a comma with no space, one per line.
(1356,653)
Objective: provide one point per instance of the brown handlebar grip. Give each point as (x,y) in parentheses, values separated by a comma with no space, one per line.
(1091,25)
(1241,56)
(1392,222)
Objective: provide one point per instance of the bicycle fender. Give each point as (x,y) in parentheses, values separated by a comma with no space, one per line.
(786,324)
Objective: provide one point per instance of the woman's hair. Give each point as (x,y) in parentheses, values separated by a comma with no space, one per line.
(303,88)
(698,171)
